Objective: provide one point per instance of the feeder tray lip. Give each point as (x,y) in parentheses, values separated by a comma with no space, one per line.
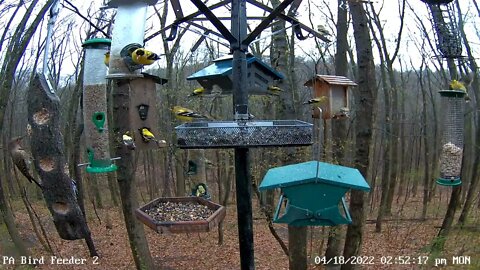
(110,168)
(168,227)
(117,3)
(449,182)
(436,2)
(452,93)
(123,76)
(94,42)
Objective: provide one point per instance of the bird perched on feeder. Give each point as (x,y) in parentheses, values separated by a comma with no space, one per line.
(186,115)
(142,56)
(148,136)
(197,92)
(128,140)
(316,101)
(106,59)
(274,90)
(21,159)
(461,85)
(200,190)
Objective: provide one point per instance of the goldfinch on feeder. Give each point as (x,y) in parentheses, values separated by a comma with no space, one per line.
(186,115)
(148,136)
(316,101)
(142,56)
(457,85)
(197,92)
(274,90)
(106,59)
(128,140)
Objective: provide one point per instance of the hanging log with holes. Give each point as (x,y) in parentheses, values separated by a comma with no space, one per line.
(49,159)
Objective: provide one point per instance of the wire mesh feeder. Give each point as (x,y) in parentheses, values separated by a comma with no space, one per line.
(181,215)
(453,106)
(225,134)
(447,34)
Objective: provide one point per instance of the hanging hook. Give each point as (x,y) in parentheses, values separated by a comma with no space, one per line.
(173,33)
(298,32)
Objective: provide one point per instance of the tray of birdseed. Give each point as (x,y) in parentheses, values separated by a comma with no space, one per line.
(227,134)
(181,215)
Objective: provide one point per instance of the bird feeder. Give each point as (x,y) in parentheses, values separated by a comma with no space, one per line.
(314,192)
(447,34)
(231,134)
(95,106)
(143,110)
(335,89)
(219,74)
(181,215)
(453,109)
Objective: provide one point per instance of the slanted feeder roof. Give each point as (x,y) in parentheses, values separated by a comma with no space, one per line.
(331,79)
(223,67)
(314,171)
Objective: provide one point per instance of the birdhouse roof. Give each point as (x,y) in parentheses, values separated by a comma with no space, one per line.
(223,67)
(331,79)
(314,171)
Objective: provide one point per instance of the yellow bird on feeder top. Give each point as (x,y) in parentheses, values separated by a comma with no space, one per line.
(106,59)
(186,115)
(316,101)
(457,85)
(197,92)
(142,56)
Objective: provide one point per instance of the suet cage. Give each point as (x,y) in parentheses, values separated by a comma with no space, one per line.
(453,107)
(95,106)
(447,34)
(227,134)
(181,215)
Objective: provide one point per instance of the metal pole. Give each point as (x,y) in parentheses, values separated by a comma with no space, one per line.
(240,105)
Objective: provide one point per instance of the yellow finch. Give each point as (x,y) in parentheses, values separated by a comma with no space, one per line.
(128,140)
(106,59)
(197,92)
(148,136)
(274,90)
(317,100)
(457,85)
(144,57)
(186,115)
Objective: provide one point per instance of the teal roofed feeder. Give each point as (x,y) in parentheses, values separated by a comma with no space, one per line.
(314,192)
(219,74)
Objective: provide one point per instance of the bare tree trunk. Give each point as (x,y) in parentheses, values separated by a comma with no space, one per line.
(365,97)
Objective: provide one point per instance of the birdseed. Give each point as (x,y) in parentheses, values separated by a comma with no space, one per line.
(178,211)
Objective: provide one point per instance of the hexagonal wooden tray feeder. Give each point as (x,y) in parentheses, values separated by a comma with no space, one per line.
(169,227)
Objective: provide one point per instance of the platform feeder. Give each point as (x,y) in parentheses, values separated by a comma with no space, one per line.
(453,109)
(95,106)
(313,192)
(336,90)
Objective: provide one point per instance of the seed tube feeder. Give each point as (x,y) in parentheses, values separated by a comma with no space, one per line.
(95,106)
(453,106)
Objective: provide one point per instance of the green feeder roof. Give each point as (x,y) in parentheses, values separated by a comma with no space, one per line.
(314,171)
(97,41)
(452,93)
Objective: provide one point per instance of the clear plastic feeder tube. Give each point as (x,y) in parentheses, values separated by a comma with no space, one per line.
(95,102)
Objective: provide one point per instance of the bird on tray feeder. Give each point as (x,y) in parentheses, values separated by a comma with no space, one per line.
(333,90)
(313,191)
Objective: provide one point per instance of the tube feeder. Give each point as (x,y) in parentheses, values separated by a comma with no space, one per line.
(453,109)
(314,192)
(95,106)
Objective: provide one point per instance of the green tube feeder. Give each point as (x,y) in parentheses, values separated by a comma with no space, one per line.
(453,109)
(99,165)
(314,192)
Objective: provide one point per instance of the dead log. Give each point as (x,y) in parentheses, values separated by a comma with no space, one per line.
(48,153)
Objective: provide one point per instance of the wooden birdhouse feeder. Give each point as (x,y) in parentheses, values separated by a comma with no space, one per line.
(219,74)
(143,110)
(335,89)
(314,192)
